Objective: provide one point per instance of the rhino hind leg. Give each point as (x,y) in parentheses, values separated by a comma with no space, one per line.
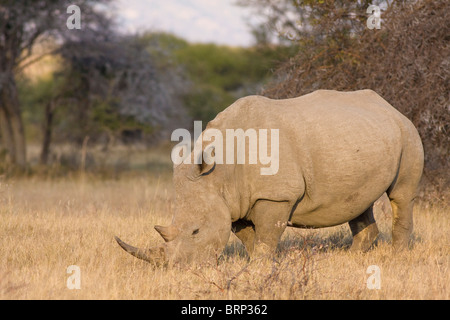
(402,223)
(403,191)
(364,230)
(402,203)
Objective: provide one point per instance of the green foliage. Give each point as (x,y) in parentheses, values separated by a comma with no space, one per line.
(34,96)
(205,101)
(106,117)
(212,78)
(219,75)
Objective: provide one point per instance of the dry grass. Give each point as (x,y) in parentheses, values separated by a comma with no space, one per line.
(48,225)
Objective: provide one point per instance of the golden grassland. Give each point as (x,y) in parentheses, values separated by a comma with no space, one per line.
(47,225)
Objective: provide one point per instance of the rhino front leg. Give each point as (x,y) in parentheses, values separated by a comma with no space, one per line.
(245,231)
(364,230)
(270,219)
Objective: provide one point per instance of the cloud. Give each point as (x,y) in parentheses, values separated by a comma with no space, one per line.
(196,20)
(130,13)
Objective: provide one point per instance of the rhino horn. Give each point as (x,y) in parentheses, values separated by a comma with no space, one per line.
(168,233)
(154,255)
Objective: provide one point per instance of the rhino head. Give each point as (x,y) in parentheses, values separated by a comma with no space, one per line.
(201,224)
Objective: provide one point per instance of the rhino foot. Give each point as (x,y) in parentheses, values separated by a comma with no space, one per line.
(364,230)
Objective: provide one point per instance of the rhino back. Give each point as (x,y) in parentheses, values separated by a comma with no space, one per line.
(338,152)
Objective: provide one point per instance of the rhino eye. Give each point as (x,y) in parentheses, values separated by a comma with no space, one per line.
(195,231)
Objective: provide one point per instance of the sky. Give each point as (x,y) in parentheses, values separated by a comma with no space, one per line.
(217,21)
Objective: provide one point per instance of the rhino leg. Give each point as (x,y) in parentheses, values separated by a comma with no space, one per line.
(270,219)
(403,191)
(402,223)
(245,231)
(364,230)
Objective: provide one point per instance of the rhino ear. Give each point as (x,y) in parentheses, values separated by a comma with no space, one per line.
(207,163)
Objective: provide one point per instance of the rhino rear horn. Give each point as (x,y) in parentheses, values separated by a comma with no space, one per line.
(167,233)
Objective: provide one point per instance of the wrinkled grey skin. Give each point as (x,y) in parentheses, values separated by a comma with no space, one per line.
(339,152)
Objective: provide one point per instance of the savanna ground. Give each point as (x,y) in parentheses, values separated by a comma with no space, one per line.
(48,224)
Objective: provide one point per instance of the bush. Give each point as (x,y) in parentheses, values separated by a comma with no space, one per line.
(406,62)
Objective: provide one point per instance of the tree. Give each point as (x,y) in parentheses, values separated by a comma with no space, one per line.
(120,83)
(217,75)
(310,20)
(22,24)
(405,61)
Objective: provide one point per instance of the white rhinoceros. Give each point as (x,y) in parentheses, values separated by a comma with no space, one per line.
(338,153)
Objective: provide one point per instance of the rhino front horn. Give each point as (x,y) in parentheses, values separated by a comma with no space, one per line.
(168,233)
(153,255)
